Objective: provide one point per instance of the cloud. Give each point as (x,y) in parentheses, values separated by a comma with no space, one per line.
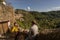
(53,9)
(28,8)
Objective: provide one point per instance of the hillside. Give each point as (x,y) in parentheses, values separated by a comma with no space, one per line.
(44,19)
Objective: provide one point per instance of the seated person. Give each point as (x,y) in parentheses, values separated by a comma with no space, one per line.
(15,28)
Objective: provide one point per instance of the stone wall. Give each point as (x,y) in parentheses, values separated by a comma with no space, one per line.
(7,13)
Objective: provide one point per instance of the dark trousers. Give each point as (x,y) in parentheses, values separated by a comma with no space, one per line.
(17,35)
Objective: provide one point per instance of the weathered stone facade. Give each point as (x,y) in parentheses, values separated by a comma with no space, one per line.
(6,14)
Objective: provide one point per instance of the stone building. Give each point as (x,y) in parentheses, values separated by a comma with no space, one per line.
(19,17)
(6,15)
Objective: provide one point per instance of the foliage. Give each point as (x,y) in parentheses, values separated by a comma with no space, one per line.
(44,19)
(27,18)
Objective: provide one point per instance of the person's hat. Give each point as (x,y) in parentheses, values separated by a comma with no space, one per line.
(15,24)
(34,22)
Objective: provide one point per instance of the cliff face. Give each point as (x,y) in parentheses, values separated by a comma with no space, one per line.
(6,13)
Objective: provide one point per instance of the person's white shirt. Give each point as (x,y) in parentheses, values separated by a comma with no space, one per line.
(9,25)
(34,29)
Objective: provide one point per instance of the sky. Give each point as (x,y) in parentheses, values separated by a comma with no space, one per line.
(36,5)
